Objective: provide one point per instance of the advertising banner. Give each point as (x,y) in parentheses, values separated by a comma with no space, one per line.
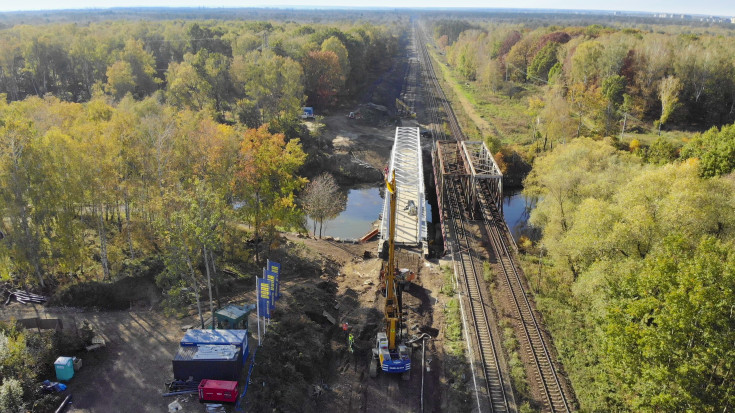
(274,268)
(264,297)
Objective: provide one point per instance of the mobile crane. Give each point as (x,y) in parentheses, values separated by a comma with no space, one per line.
(390,352)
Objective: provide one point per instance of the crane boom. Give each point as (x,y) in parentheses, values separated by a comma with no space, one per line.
(392,305)
(390,353)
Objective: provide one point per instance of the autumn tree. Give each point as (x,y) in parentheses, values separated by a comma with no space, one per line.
(17,137)
(321,76)
(334,45)
(322,200)
(265,181)
(669,90)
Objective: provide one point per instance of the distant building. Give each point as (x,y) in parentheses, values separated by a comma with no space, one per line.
(732,20)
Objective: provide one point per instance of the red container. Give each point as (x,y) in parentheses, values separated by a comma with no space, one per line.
(218,391)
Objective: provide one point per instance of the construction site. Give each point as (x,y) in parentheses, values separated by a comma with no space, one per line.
(393,322)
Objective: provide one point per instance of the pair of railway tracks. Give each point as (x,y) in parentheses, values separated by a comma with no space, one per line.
(497,390)
(532,339)
(489,354)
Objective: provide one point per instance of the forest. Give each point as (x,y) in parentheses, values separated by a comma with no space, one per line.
(630,135)
(114,126)
(163,149)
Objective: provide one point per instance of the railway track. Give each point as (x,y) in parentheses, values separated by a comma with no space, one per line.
(488,348)
(531,339)
(535,346)
(497,387)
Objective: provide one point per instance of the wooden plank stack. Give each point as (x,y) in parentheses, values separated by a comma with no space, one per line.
(25,297)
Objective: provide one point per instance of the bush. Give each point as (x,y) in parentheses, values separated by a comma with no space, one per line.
(11,396)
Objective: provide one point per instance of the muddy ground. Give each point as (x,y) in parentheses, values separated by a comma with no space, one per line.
(129,374)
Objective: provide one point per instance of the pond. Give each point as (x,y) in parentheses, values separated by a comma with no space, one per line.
(516,209)
(364,206)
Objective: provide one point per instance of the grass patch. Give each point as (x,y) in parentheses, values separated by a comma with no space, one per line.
(453,329)
(518,376)
(456,366)
(448,284)
(506,117)
(676,138)
(487,272)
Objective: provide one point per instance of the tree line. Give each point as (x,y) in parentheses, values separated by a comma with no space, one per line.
(241,70)
(596,80)
(634,271)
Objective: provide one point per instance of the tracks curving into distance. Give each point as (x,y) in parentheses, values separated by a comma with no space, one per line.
(532,339)
(497,387)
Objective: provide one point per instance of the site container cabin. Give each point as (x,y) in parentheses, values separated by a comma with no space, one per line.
(233,316)
(215,362)
(237,338)
(218,391)
(64,367)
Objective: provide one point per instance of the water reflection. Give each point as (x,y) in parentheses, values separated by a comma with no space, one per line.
(364,205)
(517,208)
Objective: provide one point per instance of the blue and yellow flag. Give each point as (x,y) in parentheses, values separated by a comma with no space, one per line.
(264,297)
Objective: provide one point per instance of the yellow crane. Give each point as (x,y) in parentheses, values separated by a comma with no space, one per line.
(390,352)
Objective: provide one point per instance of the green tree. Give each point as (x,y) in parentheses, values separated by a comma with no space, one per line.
(179,280)
(661,151)
(274,84)
(585,62)
(518,59)
(467,62)
(186,88)
(669,90)
(11,396)
(542,63)
(142,65)
(213,69)
(715,150)
(120,80)
(613,88)
(665,363)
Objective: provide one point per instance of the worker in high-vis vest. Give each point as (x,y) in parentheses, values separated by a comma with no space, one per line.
(350,342)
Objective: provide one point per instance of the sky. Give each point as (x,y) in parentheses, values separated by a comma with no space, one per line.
(706,7)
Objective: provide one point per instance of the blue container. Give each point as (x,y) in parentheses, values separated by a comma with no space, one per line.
(238,338)
(64,368)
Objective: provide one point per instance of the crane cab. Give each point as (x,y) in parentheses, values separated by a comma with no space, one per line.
(398,361)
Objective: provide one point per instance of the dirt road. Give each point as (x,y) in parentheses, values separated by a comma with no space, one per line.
(128,375)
